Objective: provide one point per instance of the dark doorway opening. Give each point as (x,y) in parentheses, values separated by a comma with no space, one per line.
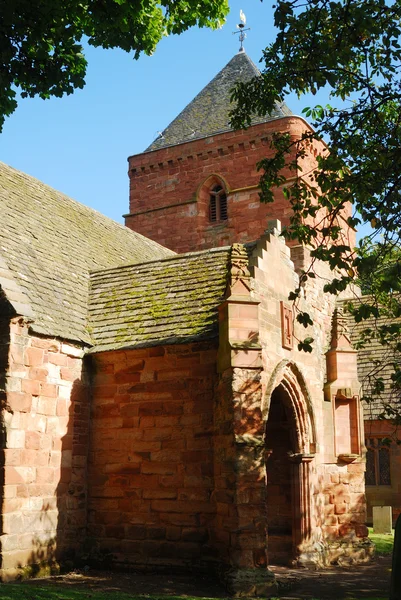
(280,445)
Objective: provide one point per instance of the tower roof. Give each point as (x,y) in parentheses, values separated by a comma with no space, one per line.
(208,112)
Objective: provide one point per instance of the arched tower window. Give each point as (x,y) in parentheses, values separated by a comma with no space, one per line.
(217,204)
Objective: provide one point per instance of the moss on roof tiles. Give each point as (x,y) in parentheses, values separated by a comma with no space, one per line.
(48,245)
(169,301)
(208,112)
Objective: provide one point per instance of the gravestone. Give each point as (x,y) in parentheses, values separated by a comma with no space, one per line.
(382,519)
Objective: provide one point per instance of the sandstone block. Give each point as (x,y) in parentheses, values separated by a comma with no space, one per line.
(15,439)
(33,357)
(70,350)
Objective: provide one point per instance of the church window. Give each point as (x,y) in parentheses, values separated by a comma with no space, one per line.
(377,462)
(218,205)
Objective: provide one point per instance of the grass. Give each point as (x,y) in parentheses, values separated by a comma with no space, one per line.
(383,542)
(18,591)
(21,591)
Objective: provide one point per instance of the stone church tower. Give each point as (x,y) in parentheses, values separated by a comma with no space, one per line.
(196,186)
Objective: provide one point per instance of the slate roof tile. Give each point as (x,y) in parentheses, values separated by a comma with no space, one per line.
(48,245)
(208,112)
(173,300)
(374,360)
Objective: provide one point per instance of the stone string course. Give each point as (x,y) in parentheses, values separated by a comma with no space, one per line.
(178,179)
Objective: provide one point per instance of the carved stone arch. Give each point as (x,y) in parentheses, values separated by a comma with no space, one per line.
(212,195)
(210,181)
(288,374)
(290,447)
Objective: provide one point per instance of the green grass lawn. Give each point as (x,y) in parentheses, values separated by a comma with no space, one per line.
(384,543)
(18,591)
(21,591)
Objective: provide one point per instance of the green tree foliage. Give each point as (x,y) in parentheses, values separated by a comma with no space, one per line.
(379,277)
(352,50)
(40,40)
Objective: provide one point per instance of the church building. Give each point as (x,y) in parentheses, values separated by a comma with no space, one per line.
(156,410)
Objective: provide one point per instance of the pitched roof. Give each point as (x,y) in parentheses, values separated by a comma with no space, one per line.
(48,245)
(208,113)
(173,300)
(375,361)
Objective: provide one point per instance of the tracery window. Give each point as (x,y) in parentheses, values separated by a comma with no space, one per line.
(217,204)
(377,462)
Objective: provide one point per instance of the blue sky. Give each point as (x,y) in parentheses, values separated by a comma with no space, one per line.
(79,144)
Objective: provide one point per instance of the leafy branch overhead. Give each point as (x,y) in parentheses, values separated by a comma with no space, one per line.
(40,40)
(350,49)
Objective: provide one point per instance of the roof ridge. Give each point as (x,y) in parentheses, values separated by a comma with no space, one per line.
(163,260)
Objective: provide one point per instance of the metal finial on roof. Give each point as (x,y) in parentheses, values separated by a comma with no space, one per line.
(240,26)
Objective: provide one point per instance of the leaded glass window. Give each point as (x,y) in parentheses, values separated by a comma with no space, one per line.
(384,466)
(370,473)
(377,462)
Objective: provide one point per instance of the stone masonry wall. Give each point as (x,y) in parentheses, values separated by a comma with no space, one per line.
(167,200)
(151,469)
(45,423)
(338,508)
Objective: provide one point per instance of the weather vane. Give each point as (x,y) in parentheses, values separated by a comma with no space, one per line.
(240,26)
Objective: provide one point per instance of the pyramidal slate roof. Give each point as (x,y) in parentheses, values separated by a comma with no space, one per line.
(208,113)
(49,244)
(174,300)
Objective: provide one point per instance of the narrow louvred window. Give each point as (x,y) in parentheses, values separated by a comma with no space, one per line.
(218,205)
(213,208)
(223,207)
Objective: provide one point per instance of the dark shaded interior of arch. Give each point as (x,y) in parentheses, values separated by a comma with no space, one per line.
(280,442)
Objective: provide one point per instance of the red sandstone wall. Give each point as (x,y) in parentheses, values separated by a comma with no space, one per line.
(151,470)
(165,203)
(45,420)
(336,489)
(166,199)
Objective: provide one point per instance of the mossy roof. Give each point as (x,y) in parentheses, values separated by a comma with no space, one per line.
(208,112)
(173,300)
(49,244)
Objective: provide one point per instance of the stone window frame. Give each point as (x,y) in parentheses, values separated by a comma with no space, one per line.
(376,447)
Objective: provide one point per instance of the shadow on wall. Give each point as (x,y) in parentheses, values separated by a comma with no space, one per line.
(49,522)
(6,313)
(60,525)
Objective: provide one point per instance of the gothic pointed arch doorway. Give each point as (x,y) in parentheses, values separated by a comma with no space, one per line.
(290,448)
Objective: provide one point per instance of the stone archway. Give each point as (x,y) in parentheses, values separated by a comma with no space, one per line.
(290,447)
